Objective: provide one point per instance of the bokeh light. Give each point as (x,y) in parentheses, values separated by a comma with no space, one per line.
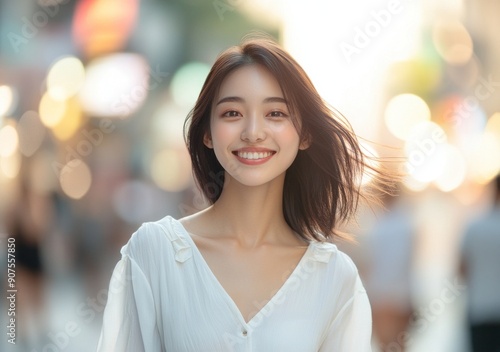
(71,120)
(115,86)
(484,158)
(417,75)
(453,171)
(187,82)
(493,125)
(9,139)
(10,165)
(424,150)
(412,184)
(103,26)
(65,78)
(167,124)
(51,110)
(75,178)
(7,100)
(404,112)
(171,170)
(452,41)
(31,133)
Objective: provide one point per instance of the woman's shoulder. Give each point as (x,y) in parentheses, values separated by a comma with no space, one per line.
(339,274)
(155,237)
(339,264)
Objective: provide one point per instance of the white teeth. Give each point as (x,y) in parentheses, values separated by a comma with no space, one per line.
(254,155)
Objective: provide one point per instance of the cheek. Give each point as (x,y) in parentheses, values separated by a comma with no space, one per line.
(287,134)
(222,134)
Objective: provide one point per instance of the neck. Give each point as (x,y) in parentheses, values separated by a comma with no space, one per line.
(252,215)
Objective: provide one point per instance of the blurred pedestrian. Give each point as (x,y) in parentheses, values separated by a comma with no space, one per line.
(29,220)
(389,274)
(480,266)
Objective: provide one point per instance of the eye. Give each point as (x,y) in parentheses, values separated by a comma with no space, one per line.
(277,113)
(231,113)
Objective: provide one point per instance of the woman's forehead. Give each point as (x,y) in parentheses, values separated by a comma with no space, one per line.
(250,81)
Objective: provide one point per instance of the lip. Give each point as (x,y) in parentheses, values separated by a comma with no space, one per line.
(253,150)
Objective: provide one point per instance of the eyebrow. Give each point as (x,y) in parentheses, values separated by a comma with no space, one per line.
(241,100)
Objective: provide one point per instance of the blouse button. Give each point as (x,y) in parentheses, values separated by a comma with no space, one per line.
(244,332)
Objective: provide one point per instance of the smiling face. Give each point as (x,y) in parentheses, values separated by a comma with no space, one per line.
(251,130)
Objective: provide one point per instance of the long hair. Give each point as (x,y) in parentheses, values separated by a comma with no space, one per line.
(322,186)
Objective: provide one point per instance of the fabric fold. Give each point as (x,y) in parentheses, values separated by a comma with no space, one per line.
(322,251)
(183,250)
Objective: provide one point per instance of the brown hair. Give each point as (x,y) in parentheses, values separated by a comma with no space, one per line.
(322,186)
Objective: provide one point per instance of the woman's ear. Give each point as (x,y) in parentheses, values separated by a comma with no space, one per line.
(306,142)
(207,140)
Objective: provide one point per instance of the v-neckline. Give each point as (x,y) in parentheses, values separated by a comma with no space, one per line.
(227,296)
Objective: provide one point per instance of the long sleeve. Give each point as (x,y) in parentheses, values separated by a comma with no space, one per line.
(129,321)
(351,329)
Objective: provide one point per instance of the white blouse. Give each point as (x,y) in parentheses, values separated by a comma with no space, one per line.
(164,297)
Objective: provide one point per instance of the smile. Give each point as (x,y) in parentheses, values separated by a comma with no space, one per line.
(254,155)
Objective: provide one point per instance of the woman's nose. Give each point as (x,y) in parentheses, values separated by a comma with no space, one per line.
(254,129)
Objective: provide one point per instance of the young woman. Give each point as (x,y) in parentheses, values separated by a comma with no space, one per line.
(256,270)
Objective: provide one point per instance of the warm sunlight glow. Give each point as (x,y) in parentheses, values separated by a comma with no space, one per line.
(116,85)
(424,150)
(404,112)
(372,161)
(452,41)
(65,78)
(10,165)
(453,171)
(70,122)
(75,179)
(484,160)
(9,140)
(414,185)
(493,125)
(171,171)
(6,100)
(51,110)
